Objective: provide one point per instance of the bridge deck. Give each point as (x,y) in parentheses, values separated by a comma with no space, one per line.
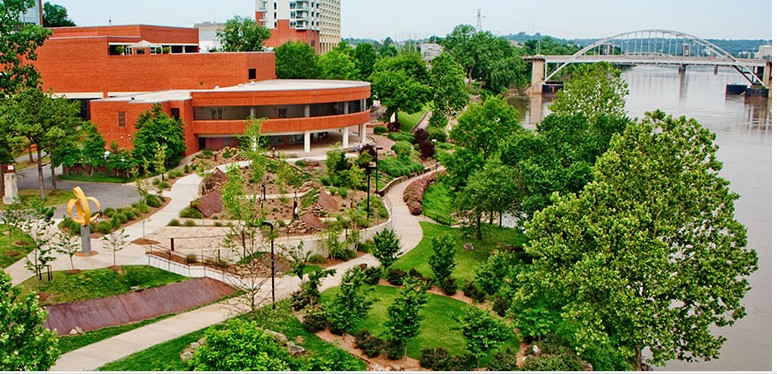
(652,59)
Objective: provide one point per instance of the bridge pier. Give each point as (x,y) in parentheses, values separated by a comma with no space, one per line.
(715,70)
(537,75)
(767,78)
(682,69)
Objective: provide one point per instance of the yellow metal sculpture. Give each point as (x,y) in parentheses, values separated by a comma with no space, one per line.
(83,214)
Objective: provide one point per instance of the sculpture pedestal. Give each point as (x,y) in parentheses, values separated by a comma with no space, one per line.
(11,193)
(86,241)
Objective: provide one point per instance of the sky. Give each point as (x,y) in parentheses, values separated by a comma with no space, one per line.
(405,19)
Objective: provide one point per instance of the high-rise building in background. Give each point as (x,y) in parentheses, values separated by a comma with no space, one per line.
(316,22)
(34,15)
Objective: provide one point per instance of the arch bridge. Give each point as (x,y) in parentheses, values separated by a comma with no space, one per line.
(652,47)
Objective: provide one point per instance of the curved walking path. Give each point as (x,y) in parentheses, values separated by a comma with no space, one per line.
(98,354)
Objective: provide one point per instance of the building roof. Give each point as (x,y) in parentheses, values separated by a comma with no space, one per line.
(260,86)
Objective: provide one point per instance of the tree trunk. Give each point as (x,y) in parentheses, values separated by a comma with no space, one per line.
(29,152)
(478,233)
(2,181)
(53,172)
(638,360)
(469,78)
(40,176)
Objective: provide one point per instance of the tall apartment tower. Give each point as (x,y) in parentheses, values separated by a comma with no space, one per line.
(316,22)
(34,14)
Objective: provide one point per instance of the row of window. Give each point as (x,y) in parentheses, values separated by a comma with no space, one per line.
(239,113)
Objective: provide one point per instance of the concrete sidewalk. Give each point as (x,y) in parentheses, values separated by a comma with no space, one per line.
(98,354)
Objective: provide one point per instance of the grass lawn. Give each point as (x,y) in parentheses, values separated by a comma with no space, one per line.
(69,343)
(165,356)
(408,121)
(53,197)
(95,178)
(92,284)
(13,246)
(438,203)
(466,261)
(438,318)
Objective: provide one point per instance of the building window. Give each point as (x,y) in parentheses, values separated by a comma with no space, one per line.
(251,74)
(176,113)
(122,119)
(281,112)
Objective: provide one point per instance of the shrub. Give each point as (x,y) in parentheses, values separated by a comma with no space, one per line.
(401,137)
(155,182)
(438,134)
(437,359)
(325,181)
(163,185)
(206,154)
(438,121)
(372,275)
(190,212)
(104,227)
(369,344)
(394,349)
(191,258)
(414,193)
(397,168)
(154,201)
(218,224)
(70,226)
(301,163)
(141,207)
(464,362)
(317,259)
(122,217)
(396,277)
(109,212)
(189,223)
(315,320)
(379,130)
(115,223)
(471,290)
(504,360)
(130,214)
(500,306)
(449,286)
(426,149)
(174,222)
(343,192)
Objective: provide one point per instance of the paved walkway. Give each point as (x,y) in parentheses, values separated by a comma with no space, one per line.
(98,354)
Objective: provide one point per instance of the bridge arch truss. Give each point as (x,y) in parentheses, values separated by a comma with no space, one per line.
(654,46)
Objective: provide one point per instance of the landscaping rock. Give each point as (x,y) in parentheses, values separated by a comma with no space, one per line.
(469,247)
(278,337)
(377,367)
(188,352)
(295,350)
(396,367)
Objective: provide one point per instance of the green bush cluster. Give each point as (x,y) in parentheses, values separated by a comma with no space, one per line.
(369,344)
(401,136)
(174,222)
(190,212)
(437,359)
(396,167)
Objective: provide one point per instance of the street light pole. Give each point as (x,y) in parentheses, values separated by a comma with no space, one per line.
(272,259)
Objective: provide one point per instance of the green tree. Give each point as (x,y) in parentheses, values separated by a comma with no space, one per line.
(386,247)
(594,89)
(18,43)
(558,157)
(253,145)
(482,333)
(25,344)
(490,277)
(485,125)
(241,346)
(364,57)
(443,258)
(449,91)
(69,245)
(242,34)
(404,313)
(388,49)
(399,92)
(115,242)
(649,255)
(489,190)
(159,160)
(461,46)
(155,129)
(337,65)
(296,60)
(55,16)
(351,304)
(34,117)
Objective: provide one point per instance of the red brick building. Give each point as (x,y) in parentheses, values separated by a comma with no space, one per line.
(119,72)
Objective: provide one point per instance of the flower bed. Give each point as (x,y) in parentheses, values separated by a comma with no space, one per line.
(414,193)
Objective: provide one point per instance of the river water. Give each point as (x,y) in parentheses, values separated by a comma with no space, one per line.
(744,134)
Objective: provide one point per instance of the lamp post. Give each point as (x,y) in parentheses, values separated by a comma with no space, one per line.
(369,170)
(376,167)
(272,259)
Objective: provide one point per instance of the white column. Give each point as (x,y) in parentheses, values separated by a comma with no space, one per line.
(307,111)
(363,132)
(345,137)
(307,141)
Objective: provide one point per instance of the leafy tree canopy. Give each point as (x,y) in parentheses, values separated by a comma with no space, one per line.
(55,16)
(296,60)
(485,125)
(25,344)
(243,34)
(337,65)
(450,91)
(155,129)
(365,56)
(649,255)
(594,89)
(18,43)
